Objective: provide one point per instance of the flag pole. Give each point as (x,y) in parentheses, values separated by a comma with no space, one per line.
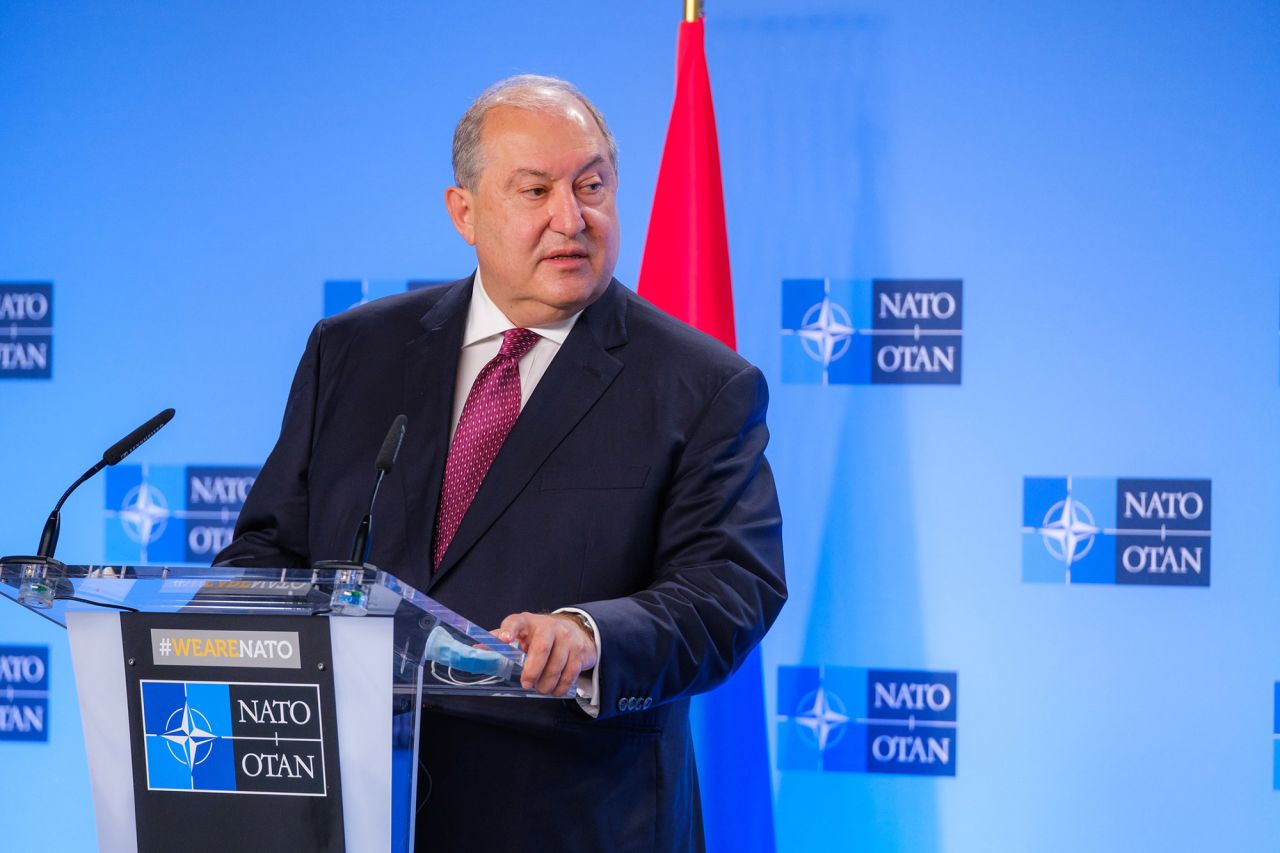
(692,10)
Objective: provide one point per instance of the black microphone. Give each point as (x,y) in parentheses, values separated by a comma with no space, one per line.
(112,456)
(386,459)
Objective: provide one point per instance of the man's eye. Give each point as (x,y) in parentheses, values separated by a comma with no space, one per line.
(534,192)
(593,187)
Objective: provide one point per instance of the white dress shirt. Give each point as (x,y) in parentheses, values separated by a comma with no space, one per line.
(480,343)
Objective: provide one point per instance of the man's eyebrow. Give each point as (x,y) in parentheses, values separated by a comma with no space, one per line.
(526,172)
(530,172)
(591,164)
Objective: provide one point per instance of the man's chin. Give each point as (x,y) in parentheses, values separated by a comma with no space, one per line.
(562,298)
(579,288)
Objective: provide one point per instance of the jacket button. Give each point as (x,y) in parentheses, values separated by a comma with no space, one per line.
(622,704)
(648,700)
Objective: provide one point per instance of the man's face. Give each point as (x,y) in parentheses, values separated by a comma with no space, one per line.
(542,214)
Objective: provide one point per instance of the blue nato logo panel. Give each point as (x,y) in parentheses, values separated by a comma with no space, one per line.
(1099,530)
(26,330)
(1275,743)
(344,294)
(24,693)
(188,736)
(173,513)
(857,720)
(228,737)
(880,332)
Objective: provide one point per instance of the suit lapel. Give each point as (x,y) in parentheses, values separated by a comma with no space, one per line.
(574,381)
(430,373)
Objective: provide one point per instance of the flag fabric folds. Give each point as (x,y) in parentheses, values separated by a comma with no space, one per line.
(685,268)
(685,271)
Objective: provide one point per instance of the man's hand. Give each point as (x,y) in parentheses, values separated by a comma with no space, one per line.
(557,650)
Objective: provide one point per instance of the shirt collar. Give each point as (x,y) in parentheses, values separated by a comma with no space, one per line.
(485,320)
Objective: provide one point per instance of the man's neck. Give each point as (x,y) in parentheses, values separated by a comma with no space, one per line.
(485,317)
(531,314)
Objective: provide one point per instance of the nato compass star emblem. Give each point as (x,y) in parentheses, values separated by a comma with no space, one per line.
(188,737)
(144,513)
(819,322)
(1068,531)
(825,332)
(823,716)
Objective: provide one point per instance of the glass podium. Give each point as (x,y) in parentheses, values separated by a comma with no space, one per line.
(139,630)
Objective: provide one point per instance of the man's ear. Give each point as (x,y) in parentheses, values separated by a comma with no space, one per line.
(458,202)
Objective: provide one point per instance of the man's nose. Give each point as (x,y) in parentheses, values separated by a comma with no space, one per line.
(566,213)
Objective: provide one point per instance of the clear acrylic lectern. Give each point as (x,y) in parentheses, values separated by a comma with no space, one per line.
(389,644)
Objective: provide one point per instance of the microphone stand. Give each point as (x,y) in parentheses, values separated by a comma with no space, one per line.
(40,572)
(350,596)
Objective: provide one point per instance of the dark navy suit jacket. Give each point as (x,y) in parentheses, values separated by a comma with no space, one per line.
(633,485)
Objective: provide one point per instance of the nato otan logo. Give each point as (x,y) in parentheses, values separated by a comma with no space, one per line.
(882,332)
(172,513)
(1116,531)
(26,330)
(228,737)
(854,720)
(24,693)
(344,294)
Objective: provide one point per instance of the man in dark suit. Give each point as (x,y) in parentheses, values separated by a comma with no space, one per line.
(626,534)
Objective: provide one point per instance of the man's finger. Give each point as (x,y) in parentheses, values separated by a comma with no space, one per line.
(582,654)
(569,678)
(513,629)
(556,660)
(537,649)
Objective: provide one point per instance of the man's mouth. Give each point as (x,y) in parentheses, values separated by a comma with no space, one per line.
(568,255)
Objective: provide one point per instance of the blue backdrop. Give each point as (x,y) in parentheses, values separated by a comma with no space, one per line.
(1096,184)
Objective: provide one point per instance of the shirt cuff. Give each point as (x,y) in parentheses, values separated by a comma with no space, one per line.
(588,691)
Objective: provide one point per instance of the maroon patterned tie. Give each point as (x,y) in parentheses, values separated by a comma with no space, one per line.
(492,406)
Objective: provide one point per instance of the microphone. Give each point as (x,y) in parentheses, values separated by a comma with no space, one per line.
(131,442)
(113,455)
(386,459)
(350,593)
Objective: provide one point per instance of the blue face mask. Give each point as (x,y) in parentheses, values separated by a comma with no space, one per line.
(445,649)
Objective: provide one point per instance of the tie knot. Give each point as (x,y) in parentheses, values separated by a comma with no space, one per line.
(517,342)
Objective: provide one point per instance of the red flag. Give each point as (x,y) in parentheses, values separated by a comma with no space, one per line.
(685,269)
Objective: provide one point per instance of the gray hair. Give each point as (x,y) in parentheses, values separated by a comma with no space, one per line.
(527,92)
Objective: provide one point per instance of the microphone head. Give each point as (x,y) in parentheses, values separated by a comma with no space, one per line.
(391,445)
(134,440)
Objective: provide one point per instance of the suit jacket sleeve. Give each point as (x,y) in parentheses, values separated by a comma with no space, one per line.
(718,577)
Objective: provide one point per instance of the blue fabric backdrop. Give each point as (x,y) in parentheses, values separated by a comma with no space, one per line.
(1101,177)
